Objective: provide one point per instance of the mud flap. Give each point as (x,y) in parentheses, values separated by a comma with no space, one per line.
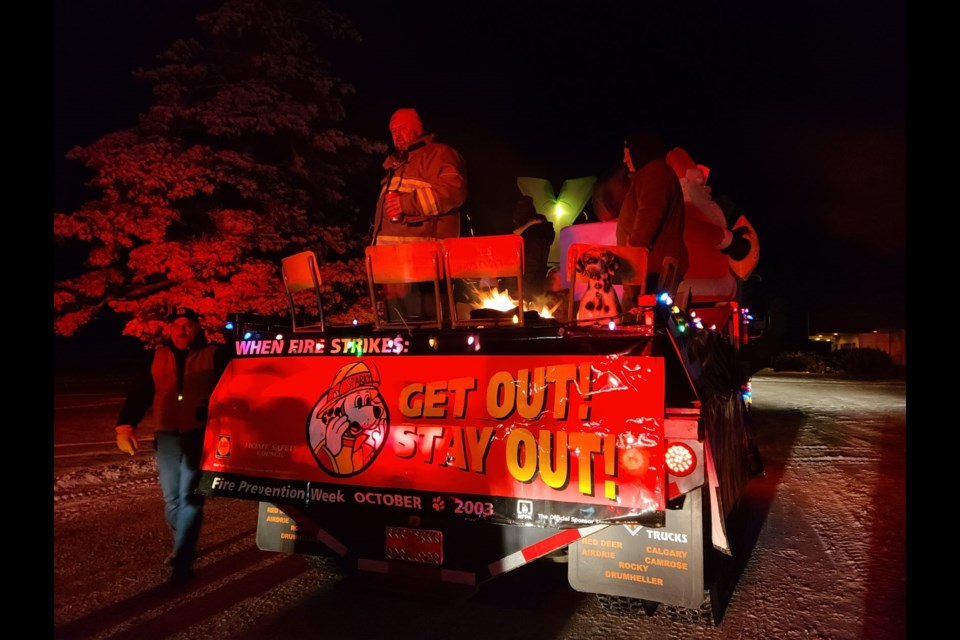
(282,531)
(718,529)
(657,564)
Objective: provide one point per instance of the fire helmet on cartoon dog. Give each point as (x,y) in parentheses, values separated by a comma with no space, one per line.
(356,376)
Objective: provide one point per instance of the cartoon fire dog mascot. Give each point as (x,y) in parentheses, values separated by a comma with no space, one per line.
(349,423)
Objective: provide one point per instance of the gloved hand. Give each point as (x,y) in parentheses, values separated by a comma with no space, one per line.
(126,441)
(739,245)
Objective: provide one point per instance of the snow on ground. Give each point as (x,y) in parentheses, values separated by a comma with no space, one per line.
(828,521)
(107,475)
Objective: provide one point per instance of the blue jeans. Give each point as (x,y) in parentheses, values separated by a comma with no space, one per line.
(178,465)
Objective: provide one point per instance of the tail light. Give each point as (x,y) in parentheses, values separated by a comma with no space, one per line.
(681,459)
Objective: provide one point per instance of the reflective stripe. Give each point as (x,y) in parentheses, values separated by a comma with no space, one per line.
(406,185)
(422,190)
(428,201)
(538,549)
(382,239)
(417,570)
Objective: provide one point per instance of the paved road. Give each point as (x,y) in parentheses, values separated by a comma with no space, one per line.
(84,412)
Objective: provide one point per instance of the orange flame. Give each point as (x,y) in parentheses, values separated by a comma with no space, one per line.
(493,298)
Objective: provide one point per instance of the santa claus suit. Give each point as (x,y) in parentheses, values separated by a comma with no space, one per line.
(705,234)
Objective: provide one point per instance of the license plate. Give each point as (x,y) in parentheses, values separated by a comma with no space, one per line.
(414,545)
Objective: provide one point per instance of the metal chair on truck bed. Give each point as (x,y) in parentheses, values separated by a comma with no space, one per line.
(479,257)
(300,273)
(408,263)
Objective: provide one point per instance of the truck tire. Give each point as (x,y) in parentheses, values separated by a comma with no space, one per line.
(327,565)
(624,606)
(702,615)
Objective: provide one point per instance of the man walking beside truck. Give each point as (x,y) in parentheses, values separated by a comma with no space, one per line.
(177,387)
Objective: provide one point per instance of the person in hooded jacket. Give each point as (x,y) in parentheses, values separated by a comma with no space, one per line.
(652,213)
(420,198)
(608,193)
(538,235)
(177,387)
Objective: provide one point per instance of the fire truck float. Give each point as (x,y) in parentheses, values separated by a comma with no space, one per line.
(451,452)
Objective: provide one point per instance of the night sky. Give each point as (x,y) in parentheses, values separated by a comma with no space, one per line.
(799,109)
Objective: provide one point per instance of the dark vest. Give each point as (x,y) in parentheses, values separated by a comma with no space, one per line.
(170,411)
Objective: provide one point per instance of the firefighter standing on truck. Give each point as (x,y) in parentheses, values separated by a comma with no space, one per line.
(420,196)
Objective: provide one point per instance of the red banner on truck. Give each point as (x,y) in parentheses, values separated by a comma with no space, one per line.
(581,429)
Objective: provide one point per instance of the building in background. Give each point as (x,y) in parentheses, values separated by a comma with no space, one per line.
(891,341)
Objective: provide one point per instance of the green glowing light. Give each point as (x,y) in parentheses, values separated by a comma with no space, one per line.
(563,209)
